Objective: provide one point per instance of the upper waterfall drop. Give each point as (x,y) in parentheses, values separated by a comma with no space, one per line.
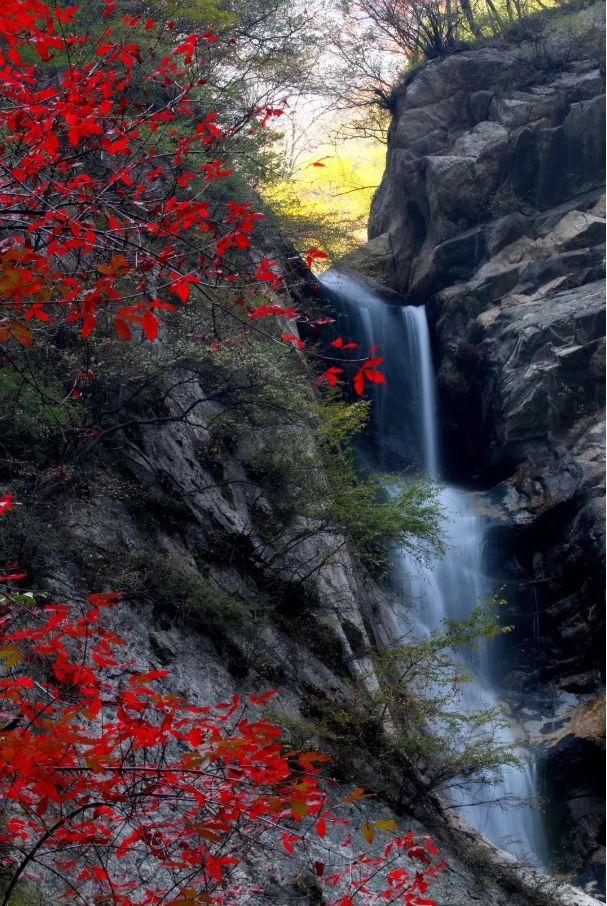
(403,416)
(405,429)
(420,354)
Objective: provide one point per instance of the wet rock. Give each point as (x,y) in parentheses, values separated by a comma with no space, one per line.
(455,259)
(581,682)
(521,108)
(495,286)
(493,203)
(574,763)
(578,230)
(161,646)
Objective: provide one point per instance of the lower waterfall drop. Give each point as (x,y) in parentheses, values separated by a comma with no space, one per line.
(404,428)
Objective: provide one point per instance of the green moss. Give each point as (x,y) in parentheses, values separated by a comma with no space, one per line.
(344,725)
(153,507)
(176,592)
(25,894)
(445,744)
(301,454)
(318,637)
(328,492)
(175,589)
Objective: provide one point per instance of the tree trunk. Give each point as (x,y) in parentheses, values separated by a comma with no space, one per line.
(497,27)
(467,11)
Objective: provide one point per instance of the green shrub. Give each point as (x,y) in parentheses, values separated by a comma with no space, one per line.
(174,589)
(412,723)
(25,894)
(313,478)
(35,415)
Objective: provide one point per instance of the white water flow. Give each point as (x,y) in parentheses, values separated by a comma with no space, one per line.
(405,424)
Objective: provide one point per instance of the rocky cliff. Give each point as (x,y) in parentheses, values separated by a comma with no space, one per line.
(173,513)
(174,517)
(224,581)
(491,212)
(479,217)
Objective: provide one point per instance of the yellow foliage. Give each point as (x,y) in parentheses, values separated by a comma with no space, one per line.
(207,13)
(389,826)
(368,832)
(327,200)
(11,656)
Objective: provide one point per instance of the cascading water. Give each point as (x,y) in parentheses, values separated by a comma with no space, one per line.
(405,432)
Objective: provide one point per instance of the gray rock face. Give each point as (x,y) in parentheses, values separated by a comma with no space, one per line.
(485,133)
(316,652)
(492,210)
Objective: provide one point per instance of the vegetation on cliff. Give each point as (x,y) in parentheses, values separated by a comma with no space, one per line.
(179,418)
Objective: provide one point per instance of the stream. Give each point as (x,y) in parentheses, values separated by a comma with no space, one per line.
(404,436)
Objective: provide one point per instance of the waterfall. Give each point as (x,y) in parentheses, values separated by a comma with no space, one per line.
(420,356)
(405,430)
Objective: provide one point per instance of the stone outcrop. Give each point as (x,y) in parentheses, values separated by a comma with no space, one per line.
(574,757)
(181,517)
(492,213)
(480,143)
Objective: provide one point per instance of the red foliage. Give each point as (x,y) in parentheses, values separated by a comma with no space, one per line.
(368,373)
(107,779)
(104,218)
(116,789)
(313,255)
(331,376)
(6,503)
(340,343)
(112,213)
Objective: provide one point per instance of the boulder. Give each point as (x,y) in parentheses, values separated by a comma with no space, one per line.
(375,260)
